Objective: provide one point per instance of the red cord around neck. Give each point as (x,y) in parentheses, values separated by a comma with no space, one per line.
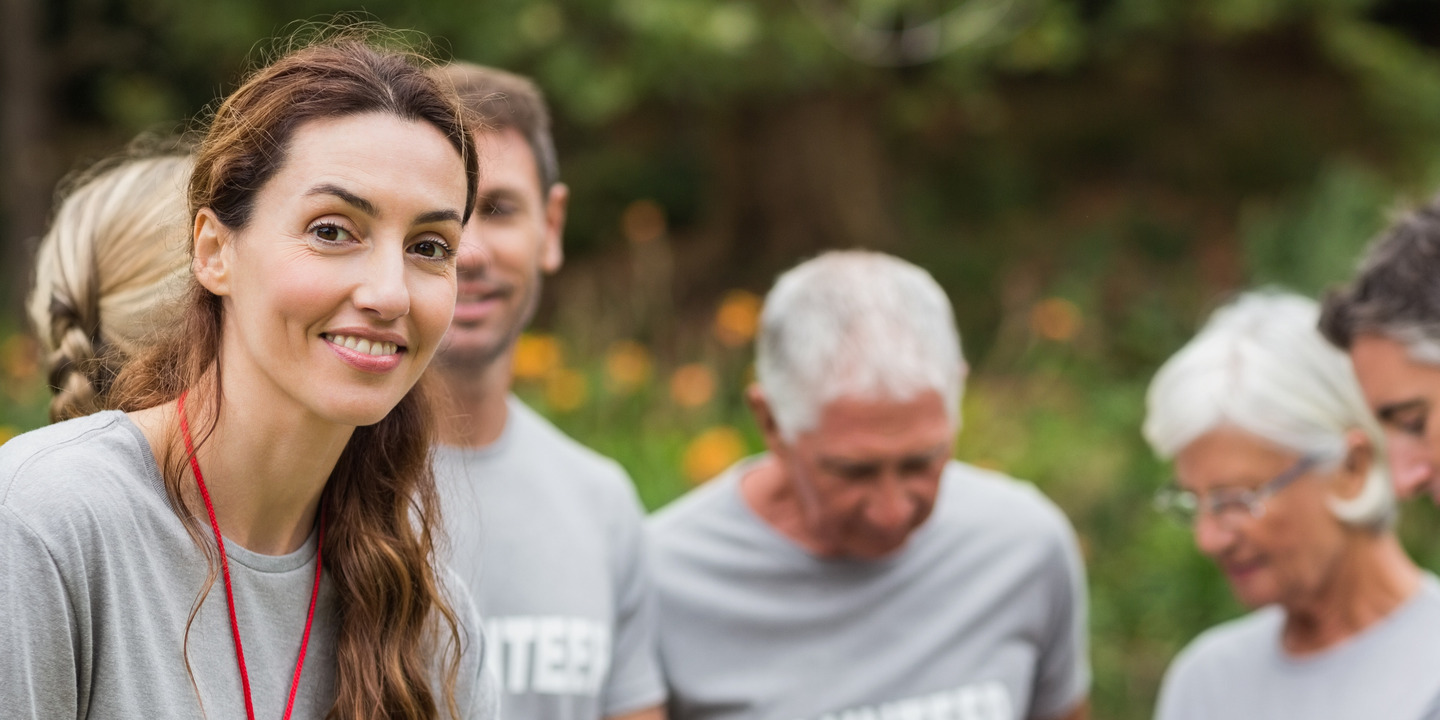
(225,571)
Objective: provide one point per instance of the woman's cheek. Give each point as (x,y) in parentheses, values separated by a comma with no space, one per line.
(433,303)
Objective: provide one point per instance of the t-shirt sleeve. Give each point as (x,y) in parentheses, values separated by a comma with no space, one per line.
(39,668)
(635,682)
(1063,677)
(1178,697)
(477,687)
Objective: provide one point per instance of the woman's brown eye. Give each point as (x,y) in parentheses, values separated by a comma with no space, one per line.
(432,249)
(330,233)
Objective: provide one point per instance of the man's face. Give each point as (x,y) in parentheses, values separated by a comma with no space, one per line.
(1404,395)
(511,240)
(867,474)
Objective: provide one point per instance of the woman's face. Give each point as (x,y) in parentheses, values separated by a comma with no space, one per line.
(340,287)
(1290,551)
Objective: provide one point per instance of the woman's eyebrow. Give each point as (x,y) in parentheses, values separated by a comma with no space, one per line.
(367,207)
(437,216)
(350,198)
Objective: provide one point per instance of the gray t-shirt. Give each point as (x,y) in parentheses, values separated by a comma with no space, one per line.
(980,616)
(548,536)
(98,577)
(1239,671)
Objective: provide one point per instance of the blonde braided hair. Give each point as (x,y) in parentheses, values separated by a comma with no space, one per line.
(108,273)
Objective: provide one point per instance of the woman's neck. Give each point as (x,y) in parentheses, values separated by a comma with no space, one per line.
(265,463)
(1372,579)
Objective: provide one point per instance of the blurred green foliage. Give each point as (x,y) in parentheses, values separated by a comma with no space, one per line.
(1087,178)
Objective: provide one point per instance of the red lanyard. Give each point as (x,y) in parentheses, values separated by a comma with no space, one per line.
(230,596)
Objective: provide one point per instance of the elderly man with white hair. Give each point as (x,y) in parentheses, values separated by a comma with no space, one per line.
(856,571)
(1280,469)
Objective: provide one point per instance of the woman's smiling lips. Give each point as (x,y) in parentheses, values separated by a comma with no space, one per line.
(366,350)
(1237,571)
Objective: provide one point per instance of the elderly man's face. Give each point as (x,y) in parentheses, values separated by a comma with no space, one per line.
(1404,395)
(867,474)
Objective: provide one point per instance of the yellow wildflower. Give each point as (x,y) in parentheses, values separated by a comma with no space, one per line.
(711,452)
(738,318)
(692,385)
(628,366)
(536,356)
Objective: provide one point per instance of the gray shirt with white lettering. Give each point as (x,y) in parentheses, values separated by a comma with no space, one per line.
(980,616)
(547,534)
(1239,670)
(98,577)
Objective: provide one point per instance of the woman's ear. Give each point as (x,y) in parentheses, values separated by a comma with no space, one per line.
(1359,459)
(212,245)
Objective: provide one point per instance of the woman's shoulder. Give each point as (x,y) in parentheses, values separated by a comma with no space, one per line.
(89,460)
(1228,648)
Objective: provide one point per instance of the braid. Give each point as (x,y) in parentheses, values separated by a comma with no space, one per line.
(72,338)
(73,368)
(106,273)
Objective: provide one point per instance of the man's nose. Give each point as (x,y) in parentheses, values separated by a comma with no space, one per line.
(891,508)
(1410,466)
(474,256)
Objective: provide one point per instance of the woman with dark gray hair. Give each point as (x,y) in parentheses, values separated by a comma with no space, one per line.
(1280,469)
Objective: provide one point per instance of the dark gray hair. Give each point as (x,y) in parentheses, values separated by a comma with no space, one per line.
(1396,293)
(502,100)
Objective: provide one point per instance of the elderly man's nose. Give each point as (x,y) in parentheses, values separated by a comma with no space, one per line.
(891,508)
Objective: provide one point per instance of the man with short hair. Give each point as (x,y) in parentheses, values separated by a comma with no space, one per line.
(855,571)
(546,533)
(1388,319)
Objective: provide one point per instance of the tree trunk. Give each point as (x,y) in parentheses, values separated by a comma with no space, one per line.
(27,163)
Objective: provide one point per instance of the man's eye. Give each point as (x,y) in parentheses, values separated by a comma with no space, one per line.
(918,466)
(856,474)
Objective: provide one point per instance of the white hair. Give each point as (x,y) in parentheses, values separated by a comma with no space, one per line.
(1261,365)
(855,324)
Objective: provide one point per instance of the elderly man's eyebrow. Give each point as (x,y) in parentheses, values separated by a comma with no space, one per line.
(1389,412)
(359,203)
(839,464)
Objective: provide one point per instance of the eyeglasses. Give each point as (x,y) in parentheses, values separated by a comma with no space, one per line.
(1228,506)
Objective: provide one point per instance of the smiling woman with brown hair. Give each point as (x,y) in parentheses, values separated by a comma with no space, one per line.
(275,444)
(1281,472)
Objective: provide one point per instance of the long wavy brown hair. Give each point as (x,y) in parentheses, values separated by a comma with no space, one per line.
(380,501)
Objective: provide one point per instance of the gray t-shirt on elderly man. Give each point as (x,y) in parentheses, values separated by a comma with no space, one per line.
(97,579)
(1239,671)
(547,535)
(980,616)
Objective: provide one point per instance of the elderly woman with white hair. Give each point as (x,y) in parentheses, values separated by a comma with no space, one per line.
(1280,468)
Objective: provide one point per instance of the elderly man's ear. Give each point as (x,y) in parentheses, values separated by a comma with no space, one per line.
(764,417)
